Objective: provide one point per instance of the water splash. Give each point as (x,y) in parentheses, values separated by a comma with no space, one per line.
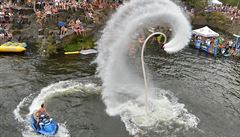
(123,87)
(33,102)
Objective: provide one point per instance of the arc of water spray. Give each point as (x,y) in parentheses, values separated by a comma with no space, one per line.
(143,64)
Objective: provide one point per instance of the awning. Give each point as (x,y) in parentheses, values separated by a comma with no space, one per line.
(205,32)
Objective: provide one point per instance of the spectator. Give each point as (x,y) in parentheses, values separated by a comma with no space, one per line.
(77,29)
(71,24)
(63,31)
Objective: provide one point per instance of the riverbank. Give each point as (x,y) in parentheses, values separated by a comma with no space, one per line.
(62,31)
(223,17)
(44,35)
(217,21)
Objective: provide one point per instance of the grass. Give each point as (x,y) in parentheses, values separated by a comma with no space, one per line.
(202,3)
(231,2)
(197,4)
(218,18)
(79,44)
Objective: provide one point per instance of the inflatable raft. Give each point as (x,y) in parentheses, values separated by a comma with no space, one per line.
(13,47)
(74,52)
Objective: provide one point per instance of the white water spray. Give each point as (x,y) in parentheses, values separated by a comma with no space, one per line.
(123,88)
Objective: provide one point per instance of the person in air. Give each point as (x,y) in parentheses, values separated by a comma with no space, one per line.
(39,112)
(159,41)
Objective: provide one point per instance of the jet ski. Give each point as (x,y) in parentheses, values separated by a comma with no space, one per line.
(47,126)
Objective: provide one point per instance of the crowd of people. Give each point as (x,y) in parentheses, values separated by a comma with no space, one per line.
(222,46)
(233,13)
(46,9)
(6,14)
(74,26)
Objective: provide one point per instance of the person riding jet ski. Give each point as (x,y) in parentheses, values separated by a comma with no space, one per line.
(42,123)
(40,113)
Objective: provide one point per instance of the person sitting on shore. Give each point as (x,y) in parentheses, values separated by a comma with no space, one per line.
(78,21)
(74,6)
(63,30)
(56,3)
(77,29)
(40,17)
(55,10)
(9,36)
(89,16)
(71,24)
(47,9)
(2,35)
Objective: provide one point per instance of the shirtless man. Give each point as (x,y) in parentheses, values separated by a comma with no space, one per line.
(40,112)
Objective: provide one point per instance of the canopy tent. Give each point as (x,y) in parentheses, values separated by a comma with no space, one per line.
(205,32)
(215,2)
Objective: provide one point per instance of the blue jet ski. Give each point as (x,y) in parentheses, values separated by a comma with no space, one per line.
(47,126)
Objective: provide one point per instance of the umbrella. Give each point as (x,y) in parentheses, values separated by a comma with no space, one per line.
(61,23)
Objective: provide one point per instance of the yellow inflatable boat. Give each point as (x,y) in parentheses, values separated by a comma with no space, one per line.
(13,47)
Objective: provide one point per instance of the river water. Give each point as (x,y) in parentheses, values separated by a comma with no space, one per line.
(209,88)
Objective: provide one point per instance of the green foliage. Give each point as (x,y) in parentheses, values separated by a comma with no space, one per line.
(46,46)
(231,2)
(16,32)
(202,3)
(218,18)
(197,4)
(79,44)
(51,49)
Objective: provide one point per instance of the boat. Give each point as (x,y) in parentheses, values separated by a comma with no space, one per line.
(13,47)
(47,126)
(73,52)
(213,50)
(209,49)
(88,51)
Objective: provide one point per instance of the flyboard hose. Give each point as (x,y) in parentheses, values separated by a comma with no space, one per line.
(143,64)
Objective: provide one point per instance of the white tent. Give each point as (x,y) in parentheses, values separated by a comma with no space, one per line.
(215,2)
(205,32)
